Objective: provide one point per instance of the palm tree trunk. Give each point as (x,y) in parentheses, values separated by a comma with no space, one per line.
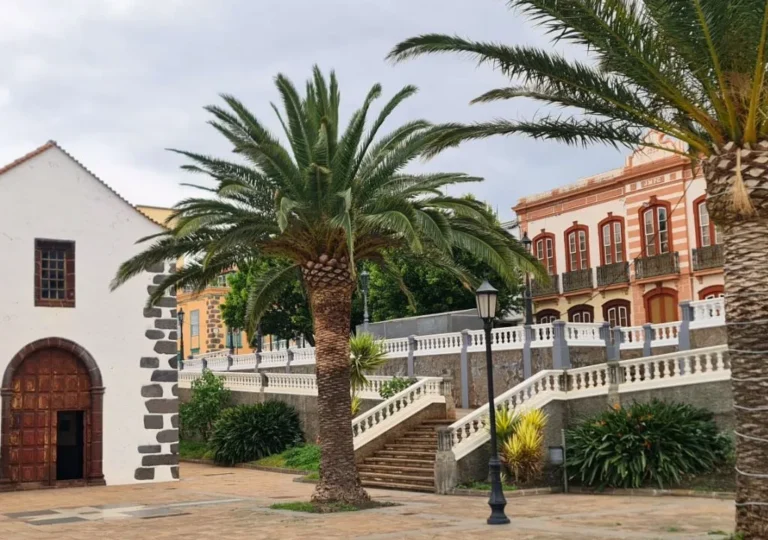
(746,287)
(331,309)
(746,310)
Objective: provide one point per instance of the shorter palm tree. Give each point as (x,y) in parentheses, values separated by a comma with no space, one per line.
(322,204)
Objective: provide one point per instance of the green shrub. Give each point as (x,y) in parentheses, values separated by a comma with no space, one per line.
(366,354)
(653,442)
(209,398)
(523,450)
(249,432)
(304,458)
(395,386)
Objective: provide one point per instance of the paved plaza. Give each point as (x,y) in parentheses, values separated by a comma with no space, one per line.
(212,502)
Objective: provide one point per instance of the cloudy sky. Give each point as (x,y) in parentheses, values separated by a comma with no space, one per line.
(115,82)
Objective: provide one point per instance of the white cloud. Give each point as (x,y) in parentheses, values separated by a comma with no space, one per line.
(117,81)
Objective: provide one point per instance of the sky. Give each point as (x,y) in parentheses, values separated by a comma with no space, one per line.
(117,82)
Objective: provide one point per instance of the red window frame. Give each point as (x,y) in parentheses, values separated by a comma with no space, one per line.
(545,250)
(654,209)
(581,314)
(54,273)
(615,242)
(547,316)
(616,307)
(577,248)
(713,235)
(713,291)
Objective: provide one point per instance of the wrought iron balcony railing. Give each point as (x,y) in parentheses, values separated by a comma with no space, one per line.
(611,274)
(658,265)
(545,289)
(577,280)
(708,257)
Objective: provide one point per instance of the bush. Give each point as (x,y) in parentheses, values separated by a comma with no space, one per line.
(209,398)
(521,448)
(249,432)
(653,442)
(395,386)
(366,354)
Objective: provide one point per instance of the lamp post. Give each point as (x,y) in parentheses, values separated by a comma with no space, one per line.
(528,298)
(486,297)
(231,341)
(364,278)
(180,317)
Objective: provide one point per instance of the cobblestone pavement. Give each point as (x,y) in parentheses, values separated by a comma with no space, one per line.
(229,504)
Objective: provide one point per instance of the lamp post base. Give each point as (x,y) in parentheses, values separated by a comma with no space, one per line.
(497,502)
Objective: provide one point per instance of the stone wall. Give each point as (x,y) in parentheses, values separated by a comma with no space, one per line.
(587,356)
(708,337)
(161,385)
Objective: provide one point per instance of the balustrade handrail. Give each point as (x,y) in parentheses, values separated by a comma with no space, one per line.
(380,415)
(469,432)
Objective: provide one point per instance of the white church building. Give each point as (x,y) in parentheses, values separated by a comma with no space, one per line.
(88,379)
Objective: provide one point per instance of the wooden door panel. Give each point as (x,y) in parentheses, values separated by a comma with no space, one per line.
(47,381)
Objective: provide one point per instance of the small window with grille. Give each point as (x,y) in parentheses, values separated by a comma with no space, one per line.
(54,273)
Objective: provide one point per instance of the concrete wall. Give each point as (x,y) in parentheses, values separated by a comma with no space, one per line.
(438,323)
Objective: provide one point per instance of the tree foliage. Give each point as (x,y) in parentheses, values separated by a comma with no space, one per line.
(208,399)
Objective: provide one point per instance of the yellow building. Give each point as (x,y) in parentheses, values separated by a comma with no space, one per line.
(203,329)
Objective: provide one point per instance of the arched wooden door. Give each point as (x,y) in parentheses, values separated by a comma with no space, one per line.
(48,382)
(661,306)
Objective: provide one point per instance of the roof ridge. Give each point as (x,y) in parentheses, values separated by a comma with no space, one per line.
(53,144)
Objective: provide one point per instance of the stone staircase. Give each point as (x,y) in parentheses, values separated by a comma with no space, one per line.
(408,463)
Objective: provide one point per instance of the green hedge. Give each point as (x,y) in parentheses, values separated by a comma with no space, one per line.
(249,432)
(646,443)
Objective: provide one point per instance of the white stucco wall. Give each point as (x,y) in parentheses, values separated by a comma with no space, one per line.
(52,197)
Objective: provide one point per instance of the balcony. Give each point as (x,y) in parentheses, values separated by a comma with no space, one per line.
(658,265)
(611,274)
(577,280)
(708,257)
(545,289)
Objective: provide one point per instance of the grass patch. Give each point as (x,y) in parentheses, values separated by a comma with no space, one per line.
(193,450)
(301,458)
(485,486)
(328,508)
(314,475)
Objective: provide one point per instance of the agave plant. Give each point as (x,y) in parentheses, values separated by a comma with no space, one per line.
(325,202)
(694,70)
(366,355)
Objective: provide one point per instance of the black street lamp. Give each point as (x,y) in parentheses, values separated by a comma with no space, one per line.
(486,297)
(180,317)
(528,298)
(364,279)
(231,340)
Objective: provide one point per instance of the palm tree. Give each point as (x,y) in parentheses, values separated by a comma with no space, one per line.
(325,202)
(693,70)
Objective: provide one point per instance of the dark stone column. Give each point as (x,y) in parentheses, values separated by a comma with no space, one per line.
(95,469)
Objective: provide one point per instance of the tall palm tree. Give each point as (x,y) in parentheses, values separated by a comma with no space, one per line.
(325,202)
(691,69)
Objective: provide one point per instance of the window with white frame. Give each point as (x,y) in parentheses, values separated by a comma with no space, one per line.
(194,323)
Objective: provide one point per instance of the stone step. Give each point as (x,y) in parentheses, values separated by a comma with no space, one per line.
(414,438)
(428,481)
(400,462)
(439,422)
(406,454)
(399,486)
(402,470)
(411,446)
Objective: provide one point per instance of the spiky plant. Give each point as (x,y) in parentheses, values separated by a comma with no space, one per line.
(366,355)
(694,70)
(324,202)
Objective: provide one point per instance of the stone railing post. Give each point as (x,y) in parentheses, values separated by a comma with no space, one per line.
(618,339)
(605,335)
(446,390)
(288,360)
(684,334)
(647,339)
(446,473)
(465,369)
(411,349)
(561,357)
(527,340)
